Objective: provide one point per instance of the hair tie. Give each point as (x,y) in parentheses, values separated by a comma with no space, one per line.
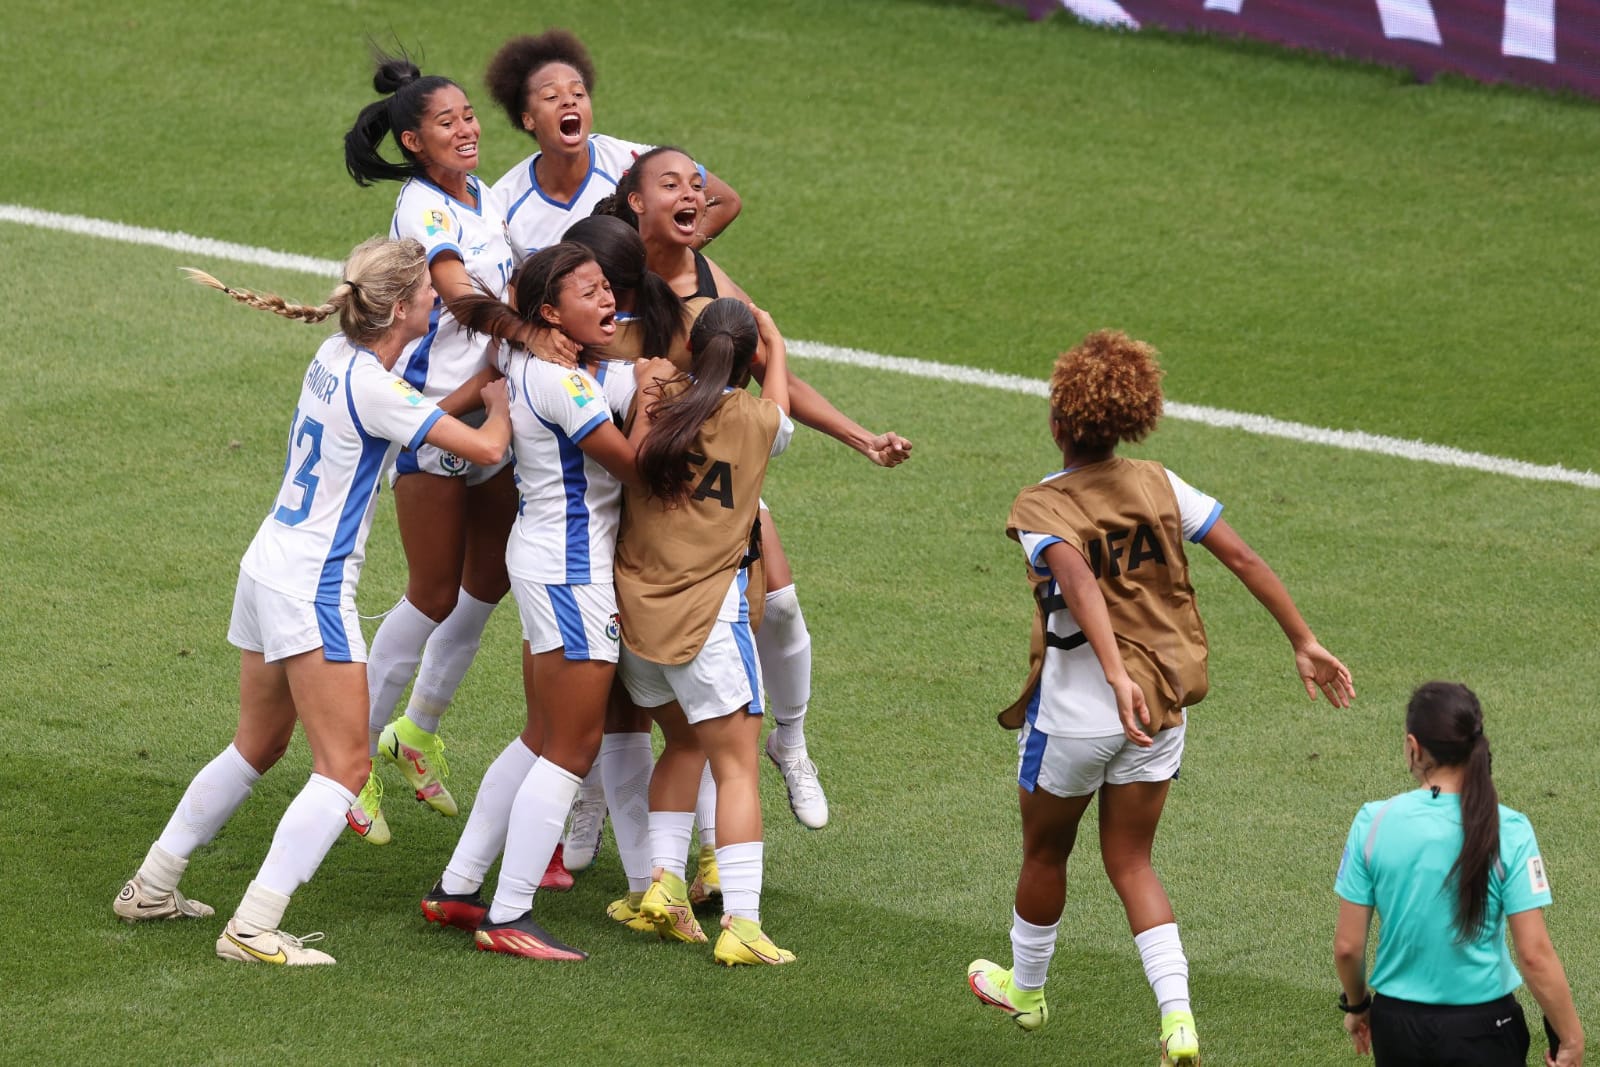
(354,288)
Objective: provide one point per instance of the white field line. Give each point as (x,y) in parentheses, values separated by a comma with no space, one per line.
(1417,451)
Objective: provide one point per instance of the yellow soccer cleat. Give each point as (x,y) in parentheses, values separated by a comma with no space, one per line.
(366,814)
(666,907)
(743,943)
(420,757)
(626,911)
(992,984)
(1180,1044)
(707,880)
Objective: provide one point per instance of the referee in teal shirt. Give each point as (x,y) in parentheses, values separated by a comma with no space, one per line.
(1447,868)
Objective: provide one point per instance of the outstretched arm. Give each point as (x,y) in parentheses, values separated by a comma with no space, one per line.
(1318,668)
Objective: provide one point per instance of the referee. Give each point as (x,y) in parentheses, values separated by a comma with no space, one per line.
(1447,868)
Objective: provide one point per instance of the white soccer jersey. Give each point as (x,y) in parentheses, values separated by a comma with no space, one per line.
(352,418)
(569,505)
(1074,699)
(446,356)
(534,220)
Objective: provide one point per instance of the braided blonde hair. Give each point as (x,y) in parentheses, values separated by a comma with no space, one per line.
(378,276)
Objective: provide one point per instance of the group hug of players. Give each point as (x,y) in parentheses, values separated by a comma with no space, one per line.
(552,377)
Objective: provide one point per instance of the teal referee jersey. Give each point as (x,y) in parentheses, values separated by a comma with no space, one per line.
(1396,860)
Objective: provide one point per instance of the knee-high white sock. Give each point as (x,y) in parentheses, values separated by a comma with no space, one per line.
(391,661)
(485,833)
(1031,949)
(740,869)
(784,645)
(212,797)
(1165,966)
(705,808)
(445,659)
(305,834)
(626,762)
(670,832)
(538,815)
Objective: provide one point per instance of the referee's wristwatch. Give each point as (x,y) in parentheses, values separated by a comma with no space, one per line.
(1355,1009)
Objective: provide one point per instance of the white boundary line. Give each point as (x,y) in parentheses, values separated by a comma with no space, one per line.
(1417,451)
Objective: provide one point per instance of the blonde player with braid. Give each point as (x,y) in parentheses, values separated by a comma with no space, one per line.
(302,656)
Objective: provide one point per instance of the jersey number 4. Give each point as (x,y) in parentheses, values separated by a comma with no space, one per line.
(308,432)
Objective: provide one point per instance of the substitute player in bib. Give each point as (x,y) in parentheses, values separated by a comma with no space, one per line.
(453,514)
(682,581)
(664,196)
(302,657)
(1446,868)
(570,457)
(1118,653)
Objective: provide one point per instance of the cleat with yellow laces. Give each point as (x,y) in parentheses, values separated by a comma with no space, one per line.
(420,757)
(270,946)
(366,814)
(993,985)
(666,907)
(742,942)
(1180,1044)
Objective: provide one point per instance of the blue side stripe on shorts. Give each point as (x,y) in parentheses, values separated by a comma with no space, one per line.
(1032,745)
(569,621)
(330,624)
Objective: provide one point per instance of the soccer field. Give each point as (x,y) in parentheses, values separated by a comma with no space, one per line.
(945,181)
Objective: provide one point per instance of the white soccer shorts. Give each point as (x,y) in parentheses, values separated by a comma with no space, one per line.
(724,677)
(581,620)
(1077,766)
(279,626)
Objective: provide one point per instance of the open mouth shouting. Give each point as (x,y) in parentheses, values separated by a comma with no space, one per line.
(684,219)
(571,127)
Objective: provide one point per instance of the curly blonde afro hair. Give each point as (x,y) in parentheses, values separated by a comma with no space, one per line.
(1105,390)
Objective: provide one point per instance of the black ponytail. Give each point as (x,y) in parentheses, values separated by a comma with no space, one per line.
(406,94)
(1447,721)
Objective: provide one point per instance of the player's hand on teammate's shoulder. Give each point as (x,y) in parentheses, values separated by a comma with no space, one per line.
(1321,669)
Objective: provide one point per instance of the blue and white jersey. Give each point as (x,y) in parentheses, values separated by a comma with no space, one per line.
(353,417)
(446,356)
(569,505)
(535,220)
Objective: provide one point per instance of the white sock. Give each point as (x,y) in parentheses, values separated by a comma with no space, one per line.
(740,869)
(1031,949)
(705,808)
(261,909)
(306,832)
(626,762)
(670,832)
(212,797)
(445,659)
(391,661)
(538,815)
(1165,966)
(784,645)
(485,833)
(161,870)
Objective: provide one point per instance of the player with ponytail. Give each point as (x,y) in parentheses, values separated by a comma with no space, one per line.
(302,656)
(1442,985)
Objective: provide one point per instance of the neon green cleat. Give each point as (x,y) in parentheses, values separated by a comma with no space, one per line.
(742,942)
(707,880)
(1180,1044)
(366,814)
(992,984)
(666,907)
(626,912)
(420,757)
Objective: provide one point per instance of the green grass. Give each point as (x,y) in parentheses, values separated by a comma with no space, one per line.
(1303,238)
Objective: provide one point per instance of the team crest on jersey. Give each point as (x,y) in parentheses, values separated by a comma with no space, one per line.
(614,627)
(403,387)
(452,463)
(578,389)
(433,219)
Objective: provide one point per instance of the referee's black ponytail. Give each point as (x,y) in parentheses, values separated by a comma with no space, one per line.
(1447,722)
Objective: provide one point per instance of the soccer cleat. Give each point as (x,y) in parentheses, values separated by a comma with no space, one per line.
(136,904)
(420,757)
(464,911)
(271,946)
(582,842)
(366,814)
(1180,1044)
(626,912)
(742,942)
(523,937)
(666,907)
(806,799)
(992,984)
(556,878)
(707,880)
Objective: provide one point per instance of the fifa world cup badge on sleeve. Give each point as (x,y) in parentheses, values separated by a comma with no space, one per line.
(578,389)
(433,219)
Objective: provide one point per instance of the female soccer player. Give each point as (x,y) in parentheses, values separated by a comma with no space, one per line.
(453,514)
(1118,652)
(1447,869)
(688,653)
(664,196)
(294,618)
(570,458)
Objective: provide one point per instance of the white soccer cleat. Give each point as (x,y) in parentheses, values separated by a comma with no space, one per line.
(137,904)
(583,830)
(806,799)
(272,946)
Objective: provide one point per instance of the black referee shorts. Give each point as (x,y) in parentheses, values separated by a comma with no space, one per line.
(1408,1034)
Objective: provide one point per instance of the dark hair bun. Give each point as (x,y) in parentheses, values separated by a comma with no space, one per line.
(395,74)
